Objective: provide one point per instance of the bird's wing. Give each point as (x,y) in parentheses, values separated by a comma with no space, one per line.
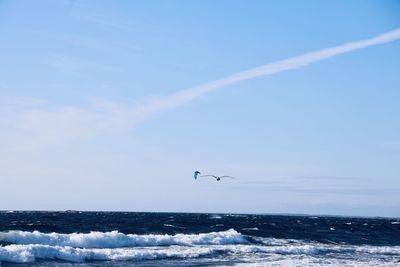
(209,175)
(226,176)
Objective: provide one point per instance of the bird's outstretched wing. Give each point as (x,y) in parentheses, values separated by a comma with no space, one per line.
(227,176)
(209,175)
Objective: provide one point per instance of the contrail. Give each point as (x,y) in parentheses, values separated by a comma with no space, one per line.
(86,122)
(187,95)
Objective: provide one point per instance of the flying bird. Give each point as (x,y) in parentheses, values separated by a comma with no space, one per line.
(218,178)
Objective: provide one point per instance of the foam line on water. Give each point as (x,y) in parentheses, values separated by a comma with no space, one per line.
(116,239)
(30,253)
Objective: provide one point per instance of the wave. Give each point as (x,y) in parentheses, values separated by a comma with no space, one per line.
(30,253)
(116,239)
(298,247)
(325,249)
(23,246)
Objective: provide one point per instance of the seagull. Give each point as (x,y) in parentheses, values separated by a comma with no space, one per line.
(218,178)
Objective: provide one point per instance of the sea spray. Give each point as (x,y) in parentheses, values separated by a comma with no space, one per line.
(116,239)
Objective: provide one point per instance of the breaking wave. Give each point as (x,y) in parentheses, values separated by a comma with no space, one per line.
(23,247)
(116,239)
(30,253)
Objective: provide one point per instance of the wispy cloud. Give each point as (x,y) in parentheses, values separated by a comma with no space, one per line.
(327,177)
(103,22)
(17,102)
(68,122)
(76,65)
(88,42)
(102,45)
(37,125)
(185,96)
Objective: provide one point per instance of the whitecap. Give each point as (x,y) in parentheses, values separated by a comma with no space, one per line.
(251,229)
(116,239)
(30,253)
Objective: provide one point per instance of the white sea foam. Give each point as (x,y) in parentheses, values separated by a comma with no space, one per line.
(295,260)
(251,229)
(78,247)
(318,248)
(30,253)
(116,239)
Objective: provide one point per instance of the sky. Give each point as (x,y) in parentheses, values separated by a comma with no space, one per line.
(112,105)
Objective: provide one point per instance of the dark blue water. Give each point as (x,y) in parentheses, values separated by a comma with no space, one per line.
(187,239)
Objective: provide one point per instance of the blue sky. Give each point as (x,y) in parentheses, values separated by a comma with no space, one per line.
(92,115)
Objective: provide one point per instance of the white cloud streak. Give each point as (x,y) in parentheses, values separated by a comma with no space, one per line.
(190,94)
(44,126)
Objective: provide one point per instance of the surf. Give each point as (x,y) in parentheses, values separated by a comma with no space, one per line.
(115,239)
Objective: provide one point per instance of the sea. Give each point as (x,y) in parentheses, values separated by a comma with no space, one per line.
(75,238)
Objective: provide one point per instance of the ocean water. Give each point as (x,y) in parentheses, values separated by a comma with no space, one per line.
(185,239)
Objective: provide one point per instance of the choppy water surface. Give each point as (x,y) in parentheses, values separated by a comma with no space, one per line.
(184,239)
